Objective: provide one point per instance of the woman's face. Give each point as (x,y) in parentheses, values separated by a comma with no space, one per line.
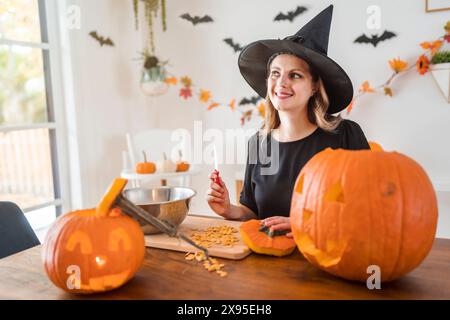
(289,84)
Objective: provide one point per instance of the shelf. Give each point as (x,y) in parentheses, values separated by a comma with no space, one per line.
(131,175)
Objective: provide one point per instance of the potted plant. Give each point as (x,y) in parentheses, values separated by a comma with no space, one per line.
(153,75)
(440,69)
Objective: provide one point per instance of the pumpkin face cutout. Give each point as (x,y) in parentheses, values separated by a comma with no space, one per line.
(354,209)
(86,253)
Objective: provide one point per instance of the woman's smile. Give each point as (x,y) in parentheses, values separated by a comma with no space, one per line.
(282,95)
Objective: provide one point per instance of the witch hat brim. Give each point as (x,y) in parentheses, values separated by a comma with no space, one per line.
(310,44)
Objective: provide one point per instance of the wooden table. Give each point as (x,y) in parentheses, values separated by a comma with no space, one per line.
(167,275)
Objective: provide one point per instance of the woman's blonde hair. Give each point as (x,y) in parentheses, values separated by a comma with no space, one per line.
(317,109)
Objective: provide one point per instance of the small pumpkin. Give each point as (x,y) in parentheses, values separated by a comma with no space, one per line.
(166,165)
(263,240)
(354,209)
(374,146)
(145,167)
(94,250)
(182,165)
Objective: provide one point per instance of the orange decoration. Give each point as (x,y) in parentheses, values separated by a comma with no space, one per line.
(433,46)
(260,242)
(205,95)
(172,81)
(354,209)
(186,81)
(213,105)
(398,65)
(182,165)
(365,87)
(232,104)
(262,109)
(350,107)
(422,64)
(145,167)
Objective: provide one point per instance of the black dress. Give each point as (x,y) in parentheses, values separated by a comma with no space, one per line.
(269,181)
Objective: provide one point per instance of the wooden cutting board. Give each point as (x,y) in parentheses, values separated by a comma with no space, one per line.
(198,223)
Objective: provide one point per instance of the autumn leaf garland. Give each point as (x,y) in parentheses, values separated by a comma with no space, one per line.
(204,96)
(399,66)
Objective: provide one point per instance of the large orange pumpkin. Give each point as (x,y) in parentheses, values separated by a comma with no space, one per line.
(87,253)
(354,209)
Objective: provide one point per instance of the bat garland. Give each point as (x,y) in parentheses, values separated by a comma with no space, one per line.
(375,39)
(252,100)
(101,40)
(196,19)
(236,46)
(290,15)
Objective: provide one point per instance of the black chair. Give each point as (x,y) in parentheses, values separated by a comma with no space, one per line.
(16,233)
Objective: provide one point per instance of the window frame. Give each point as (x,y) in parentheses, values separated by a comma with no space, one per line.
(52,63)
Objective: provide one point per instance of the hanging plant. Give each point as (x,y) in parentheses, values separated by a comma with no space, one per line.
(154,74)
(151,8)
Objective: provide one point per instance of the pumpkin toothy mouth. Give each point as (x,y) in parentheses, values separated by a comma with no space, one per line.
(325,258)
(106,282)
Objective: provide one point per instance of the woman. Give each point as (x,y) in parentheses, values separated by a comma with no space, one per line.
(302,88)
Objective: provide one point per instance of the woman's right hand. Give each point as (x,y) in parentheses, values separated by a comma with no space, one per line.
(218,197)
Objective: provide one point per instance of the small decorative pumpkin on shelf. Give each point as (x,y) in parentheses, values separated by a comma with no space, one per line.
(352,210)
(94,250)
(145,167)
(182,165)
(166,165)
(263,240)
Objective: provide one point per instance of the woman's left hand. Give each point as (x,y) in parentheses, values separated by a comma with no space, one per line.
(278,223)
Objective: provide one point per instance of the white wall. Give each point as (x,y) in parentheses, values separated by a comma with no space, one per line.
(109,102)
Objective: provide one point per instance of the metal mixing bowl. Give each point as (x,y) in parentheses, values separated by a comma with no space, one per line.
(166,203)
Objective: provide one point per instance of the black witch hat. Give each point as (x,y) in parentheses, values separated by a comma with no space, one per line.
(310,43)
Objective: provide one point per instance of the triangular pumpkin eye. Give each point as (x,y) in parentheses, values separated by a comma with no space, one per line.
(335,193)
(299,185)
(306,215)
(82,239)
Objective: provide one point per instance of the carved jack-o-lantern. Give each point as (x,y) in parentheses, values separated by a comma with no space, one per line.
(354,209)
(85,252)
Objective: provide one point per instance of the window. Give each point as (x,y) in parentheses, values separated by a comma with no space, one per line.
(29,131)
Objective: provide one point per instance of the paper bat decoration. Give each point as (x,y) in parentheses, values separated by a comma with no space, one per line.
(291,15)
(231,43)
(375,39)
(102,40)
(196,19)
(252,100)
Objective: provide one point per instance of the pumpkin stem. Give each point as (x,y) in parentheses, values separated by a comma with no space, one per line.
(145,156)
(272,233)
(181,156)
(104,206)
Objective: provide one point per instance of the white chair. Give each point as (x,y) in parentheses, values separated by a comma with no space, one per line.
(155,142)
